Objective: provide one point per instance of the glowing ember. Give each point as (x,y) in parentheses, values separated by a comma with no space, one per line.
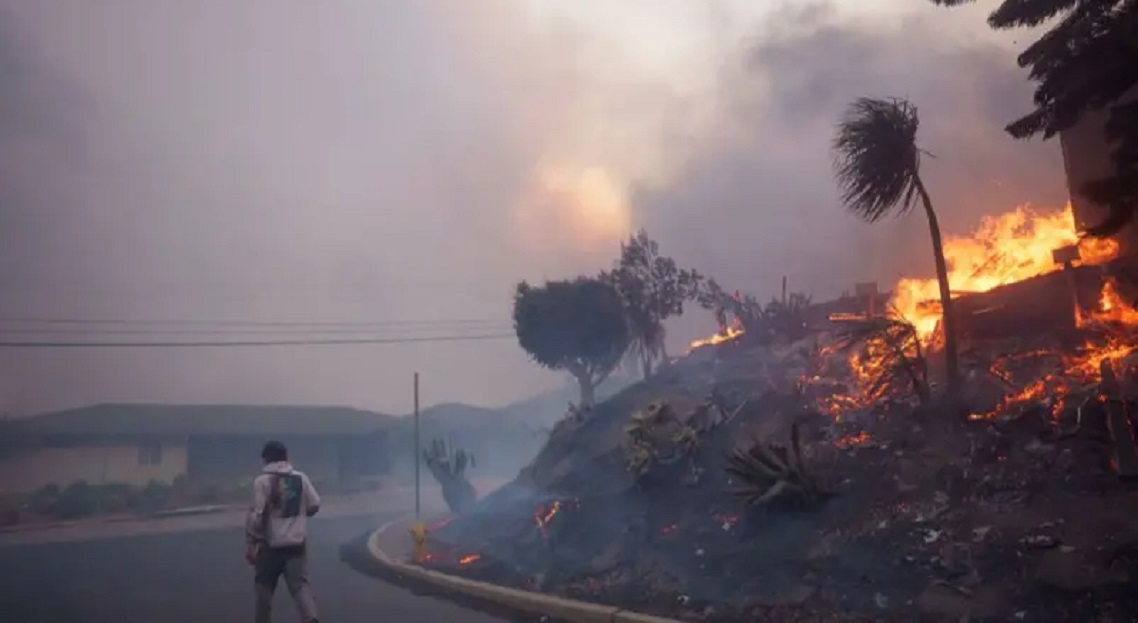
(853,441)
(469,558)
(1005,249)
(544,515)
(1112,310)
(669,529)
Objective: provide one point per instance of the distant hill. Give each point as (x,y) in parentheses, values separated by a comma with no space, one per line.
(503,440)
(197,419)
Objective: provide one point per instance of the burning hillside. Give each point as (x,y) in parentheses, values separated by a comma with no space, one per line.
(816,471)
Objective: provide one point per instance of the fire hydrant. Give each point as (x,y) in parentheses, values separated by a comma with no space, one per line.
(419,534)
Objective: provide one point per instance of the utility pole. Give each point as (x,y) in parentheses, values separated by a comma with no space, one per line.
(418,458)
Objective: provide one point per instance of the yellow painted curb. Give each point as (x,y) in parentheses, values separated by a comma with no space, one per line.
(529,602)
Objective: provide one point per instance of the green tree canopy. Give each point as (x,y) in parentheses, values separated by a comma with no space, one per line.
(578,326)
(653,289)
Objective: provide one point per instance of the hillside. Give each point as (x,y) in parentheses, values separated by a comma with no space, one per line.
(783,483)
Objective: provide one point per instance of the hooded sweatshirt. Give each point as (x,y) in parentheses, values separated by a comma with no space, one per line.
(283,500)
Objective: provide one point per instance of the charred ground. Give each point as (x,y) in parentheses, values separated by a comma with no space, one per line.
(918,513)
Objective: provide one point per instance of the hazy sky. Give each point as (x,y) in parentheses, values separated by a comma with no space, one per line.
(370,161)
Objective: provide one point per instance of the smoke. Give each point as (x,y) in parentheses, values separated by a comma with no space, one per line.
(391,160)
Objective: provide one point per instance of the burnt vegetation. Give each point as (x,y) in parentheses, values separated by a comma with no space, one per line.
(837,461)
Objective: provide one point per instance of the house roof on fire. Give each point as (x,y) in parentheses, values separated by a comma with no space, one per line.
(160,419)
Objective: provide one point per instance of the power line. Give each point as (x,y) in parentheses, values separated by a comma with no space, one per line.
(246,323)
(234,331)
(245,344)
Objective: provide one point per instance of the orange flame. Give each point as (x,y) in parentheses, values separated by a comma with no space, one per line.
(1004,249)
(469,558)
(544,515)
(728,333)
(853,441)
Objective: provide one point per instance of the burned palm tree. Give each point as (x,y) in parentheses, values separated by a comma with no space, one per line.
(891,361)
(770,474)
(878,167)
(448,466)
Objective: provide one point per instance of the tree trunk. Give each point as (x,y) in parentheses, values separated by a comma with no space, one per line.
(948,318)
(588,390)
(646,365)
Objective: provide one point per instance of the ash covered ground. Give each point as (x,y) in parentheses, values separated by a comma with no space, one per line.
(824,480)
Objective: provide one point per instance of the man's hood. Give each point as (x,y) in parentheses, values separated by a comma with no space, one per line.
(277,467)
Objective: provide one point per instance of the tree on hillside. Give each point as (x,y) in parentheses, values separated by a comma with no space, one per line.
(653,289)
(878,167)
(1086,61)
(577,326)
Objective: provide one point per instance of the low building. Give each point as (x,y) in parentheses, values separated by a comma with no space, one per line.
(206,444)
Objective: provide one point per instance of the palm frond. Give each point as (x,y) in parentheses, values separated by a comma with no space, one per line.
(768,473)
(876,160)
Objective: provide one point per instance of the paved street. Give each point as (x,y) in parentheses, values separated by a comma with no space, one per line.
(197,576)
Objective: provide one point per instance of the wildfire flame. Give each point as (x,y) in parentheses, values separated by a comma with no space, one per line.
(726,334)
(544,515)
(469,558)
(1004,249)
(853,441)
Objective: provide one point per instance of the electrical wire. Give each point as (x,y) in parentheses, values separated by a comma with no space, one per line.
(240,323)
(251,343)
(235,331)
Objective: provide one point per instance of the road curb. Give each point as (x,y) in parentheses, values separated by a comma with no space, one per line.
(114,519)
(511,599)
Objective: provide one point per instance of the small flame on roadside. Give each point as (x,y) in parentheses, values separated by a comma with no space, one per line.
(469,558)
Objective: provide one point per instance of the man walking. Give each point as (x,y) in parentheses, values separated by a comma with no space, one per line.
(276,533)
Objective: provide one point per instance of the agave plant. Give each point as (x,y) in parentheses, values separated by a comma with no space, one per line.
(448,466)
(655,436)
(771,474)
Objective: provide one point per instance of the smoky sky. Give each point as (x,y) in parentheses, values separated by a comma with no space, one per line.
(378,161)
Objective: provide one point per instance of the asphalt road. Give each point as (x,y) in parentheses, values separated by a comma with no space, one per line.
(197,577)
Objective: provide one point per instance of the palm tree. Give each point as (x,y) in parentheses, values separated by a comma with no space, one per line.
(878,167)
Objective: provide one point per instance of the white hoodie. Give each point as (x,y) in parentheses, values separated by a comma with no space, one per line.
(283,500)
